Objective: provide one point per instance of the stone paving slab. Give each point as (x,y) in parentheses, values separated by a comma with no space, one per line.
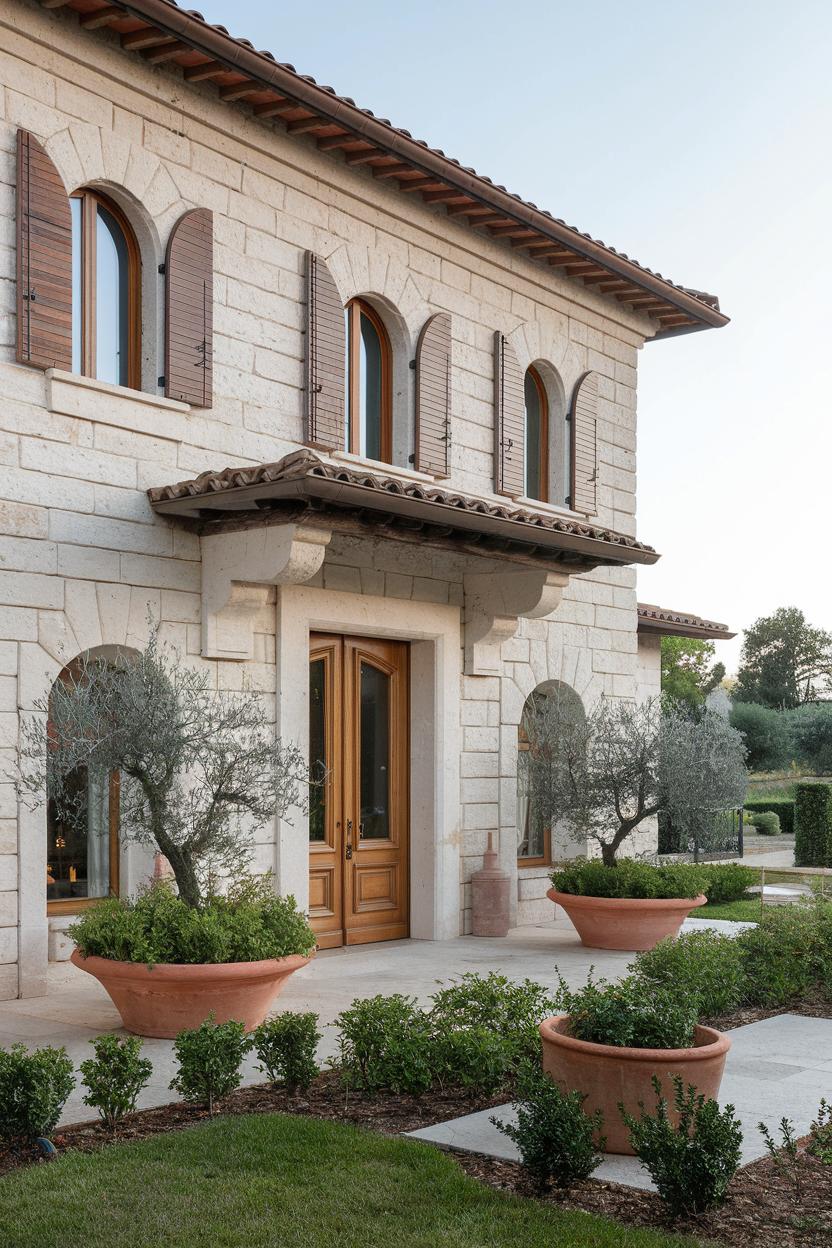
(778,1067)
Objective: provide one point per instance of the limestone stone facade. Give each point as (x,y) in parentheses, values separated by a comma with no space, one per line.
(84,562)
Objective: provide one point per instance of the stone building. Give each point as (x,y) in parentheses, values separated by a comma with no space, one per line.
(351,422)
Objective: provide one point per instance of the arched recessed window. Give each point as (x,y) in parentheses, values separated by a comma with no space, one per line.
(106,286)
(537,436)
(537,842)
(82,833)
(368,384)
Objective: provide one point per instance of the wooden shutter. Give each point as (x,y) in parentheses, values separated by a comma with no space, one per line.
(584,417)
(325,358)
(509,420)
(44,260)
(433,396)
(189,309)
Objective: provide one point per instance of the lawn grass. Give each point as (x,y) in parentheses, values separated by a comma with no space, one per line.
(273,1180)
(745,910)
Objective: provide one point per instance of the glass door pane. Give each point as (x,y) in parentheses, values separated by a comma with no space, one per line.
(318,764)
(374,760)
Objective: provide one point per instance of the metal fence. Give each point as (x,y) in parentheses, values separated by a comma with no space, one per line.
(723,840)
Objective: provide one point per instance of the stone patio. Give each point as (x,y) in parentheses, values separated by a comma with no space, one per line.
(779,1067)
(76,1008)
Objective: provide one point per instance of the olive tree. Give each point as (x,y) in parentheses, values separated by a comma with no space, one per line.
(608,771)
(200,770)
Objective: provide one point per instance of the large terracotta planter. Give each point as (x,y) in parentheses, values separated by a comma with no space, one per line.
(608,1075)
(632,923)
(162,1000)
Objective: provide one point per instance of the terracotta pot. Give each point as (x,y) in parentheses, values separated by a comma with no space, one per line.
(608,1075)
(164,999)
(632,923)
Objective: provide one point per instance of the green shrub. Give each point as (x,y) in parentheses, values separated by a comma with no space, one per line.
(554,1135)
(727,881)
(693,1162)
(158,927)
(820,1134)
(767,736)
(209,1058)
(813,825)
(766,822)
(629,878)
(512,1010)
(623,1014)
(385,1044)
(33,1090)
(476,1058)
(115,1076)
(811,729)
(704,966)
(788,953)
(783,807)
(286,1047)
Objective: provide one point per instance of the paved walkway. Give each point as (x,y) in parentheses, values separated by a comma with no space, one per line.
(779,1067)
(76,1007)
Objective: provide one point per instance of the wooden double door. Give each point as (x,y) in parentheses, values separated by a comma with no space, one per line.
(358,818)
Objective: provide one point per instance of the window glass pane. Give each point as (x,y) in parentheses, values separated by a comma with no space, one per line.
(111,299)
(534,417)
(347,387)
(76,206)
(370,389)
(317,749)
(531,841)
(78,846)
(375,753)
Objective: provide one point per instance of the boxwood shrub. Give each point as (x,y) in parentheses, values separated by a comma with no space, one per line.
(783,807)
(623,1014)
(158,927)
(813,825)
(766,822)
(706,966)
(727,881)
(629,878)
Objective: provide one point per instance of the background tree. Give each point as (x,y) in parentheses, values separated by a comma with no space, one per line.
(624,762)
(785,661)
(688,673)
(201,770)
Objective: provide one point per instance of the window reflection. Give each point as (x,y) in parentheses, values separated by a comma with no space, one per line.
(375,753)
(111,299)
(536,436)
(105,292)
(367,384)
(317,750)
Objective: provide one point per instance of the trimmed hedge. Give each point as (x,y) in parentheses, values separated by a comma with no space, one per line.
(782,806)
(813,825)
(766,822)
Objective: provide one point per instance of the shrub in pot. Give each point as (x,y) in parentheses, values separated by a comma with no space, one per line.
(611,1040)
(608,772)
(200,771)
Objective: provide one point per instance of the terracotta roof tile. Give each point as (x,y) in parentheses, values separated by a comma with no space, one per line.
(652,619)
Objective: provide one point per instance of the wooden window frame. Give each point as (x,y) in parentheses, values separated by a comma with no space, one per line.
(354,310)
(76,904)
(543,448)
(90,201)
(538,860)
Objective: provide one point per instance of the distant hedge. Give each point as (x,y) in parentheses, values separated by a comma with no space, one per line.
(813,825)
(782,806)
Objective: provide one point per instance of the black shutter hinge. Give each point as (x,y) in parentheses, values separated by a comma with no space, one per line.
(412,365)
(160,381)
(162,270)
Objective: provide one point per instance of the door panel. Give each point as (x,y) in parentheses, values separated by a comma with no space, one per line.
(358,853)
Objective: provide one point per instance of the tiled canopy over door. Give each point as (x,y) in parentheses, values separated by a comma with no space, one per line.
(189,270)
(433,396)
(584,442)
(44,260)
(325,358)
(509,420)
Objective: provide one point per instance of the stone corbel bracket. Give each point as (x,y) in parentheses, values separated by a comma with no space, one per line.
(238,569)
(494,602)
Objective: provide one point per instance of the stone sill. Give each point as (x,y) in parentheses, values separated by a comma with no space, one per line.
(67,394)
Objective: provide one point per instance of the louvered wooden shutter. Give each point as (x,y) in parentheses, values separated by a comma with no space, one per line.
(509,420)
(44,259)
(189,309)
(325,358)
(584,417)
(433,396)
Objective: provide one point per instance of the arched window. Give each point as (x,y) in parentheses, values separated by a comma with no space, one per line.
(106,286)
(368,384)
(82,841)
(537,437)
(537,842)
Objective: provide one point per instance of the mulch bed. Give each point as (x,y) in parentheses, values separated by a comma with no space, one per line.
(811,1007)
(762,1210)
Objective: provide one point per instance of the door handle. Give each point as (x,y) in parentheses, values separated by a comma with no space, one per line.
(348,842)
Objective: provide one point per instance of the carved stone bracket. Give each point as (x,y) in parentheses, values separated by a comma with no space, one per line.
(493,604)
(238,569)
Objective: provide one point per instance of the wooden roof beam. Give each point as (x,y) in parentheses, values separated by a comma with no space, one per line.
(495,218)
(201,73)
(275,108)
(308,125)
(417,184)
(54,4)
(391,171)
(513,232)
(471,209)
(102,17)
(436,197)
(362,158)
(578,268)
(334,141)
(148,37)
(239,90)
(164,52)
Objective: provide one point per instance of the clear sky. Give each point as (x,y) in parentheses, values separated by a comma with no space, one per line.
(697,137)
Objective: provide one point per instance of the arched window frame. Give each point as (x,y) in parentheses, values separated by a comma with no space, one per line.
(542,491)
(354,311)
(533,860)
(564,693)
(85,299)
(75,904)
